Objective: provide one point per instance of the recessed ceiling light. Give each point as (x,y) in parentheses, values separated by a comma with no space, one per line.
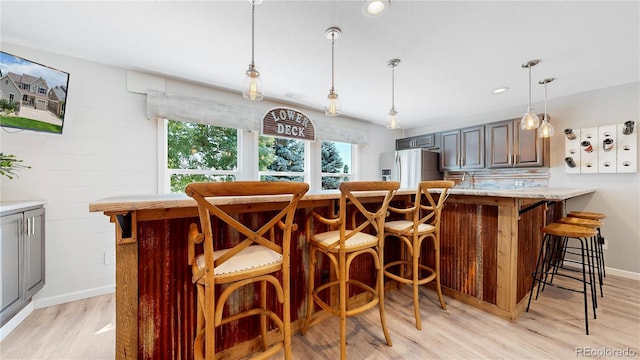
(374,7)
(500,90)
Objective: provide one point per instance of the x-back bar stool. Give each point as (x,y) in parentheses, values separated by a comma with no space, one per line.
(422,222)
(261,256)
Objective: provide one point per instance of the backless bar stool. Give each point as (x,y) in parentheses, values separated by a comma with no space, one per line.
(550,259)
(594,216)
(594,246)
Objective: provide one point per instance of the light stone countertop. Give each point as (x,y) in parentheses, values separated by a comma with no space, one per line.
(11,206)
(147,202)
(549,193)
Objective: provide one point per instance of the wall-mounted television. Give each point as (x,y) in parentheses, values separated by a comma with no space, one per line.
(32,96)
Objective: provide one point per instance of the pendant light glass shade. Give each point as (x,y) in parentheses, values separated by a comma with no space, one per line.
(392,120)
(332,108)
(530,120)
(546,129)
(252,86)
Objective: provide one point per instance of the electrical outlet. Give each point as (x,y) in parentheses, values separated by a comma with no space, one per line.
(109,257)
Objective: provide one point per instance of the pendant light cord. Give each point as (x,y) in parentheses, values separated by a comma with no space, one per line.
(545,100)
(393,88)
(529,87)
(333,36)
(253,15)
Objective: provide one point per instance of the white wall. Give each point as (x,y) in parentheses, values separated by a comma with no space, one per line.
(108,148)
(618,194)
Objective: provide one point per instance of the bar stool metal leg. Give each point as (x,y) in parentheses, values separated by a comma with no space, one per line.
(551,257)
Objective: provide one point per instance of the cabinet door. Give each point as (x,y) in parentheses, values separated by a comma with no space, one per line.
(499,139)
(450,150)
(34,252)
(403,144)
(424,141)
(11,229)
(472,150)
(528,147)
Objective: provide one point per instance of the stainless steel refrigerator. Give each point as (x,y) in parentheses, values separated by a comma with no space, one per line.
(409,167)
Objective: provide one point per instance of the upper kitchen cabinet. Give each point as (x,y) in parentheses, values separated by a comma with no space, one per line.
(462,149)
(426,141)
(508,146)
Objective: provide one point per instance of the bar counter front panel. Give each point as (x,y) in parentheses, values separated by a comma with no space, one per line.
(488,248)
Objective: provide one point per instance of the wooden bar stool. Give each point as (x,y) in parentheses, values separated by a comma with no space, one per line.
(550,258)
(344,242)
(260,253)
(422,221)
(599,217)
(594,246)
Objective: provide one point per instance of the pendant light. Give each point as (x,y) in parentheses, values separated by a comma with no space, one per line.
(546,129)
(392,119)
(530,120)
(252,86)
(332,108)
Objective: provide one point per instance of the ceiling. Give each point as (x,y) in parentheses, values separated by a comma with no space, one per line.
(453,53)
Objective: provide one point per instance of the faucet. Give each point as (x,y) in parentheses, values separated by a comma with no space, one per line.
(466,180)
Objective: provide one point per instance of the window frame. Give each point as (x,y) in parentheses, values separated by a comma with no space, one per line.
(165,173)
(248,165)
(306,174)
(350,174)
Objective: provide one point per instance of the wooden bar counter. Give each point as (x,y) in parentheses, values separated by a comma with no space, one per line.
(489,244)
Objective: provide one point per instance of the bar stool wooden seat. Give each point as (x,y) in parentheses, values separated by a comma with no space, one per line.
(260,256)
(594,247)
(422,222)
(345,241)
(599,217)
(587,215)
(551,256)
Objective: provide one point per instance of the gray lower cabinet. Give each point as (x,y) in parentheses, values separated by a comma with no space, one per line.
(21,258)
(508,146)
(462,149)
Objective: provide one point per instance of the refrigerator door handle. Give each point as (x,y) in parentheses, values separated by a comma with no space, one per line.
(398,168)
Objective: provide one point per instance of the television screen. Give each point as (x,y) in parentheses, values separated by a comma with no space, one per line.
(32,96)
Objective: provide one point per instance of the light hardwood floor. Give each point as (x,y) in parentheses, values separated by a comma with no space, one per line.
(553,329)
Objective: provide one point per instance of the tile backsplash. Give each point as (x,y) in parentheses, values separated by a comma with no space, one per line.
(501,178)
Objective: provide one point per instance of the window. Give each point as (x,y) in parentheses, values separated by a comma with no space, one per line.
(197,152)
(42,91)
(336,163)
(280,159)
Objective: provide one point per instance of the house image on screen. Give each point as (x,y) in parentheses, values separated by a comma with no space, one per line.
(33,92)
(57,96)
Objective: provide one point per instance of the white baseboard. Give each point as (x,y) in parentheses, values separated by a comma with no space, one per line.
(69,297)
(623,273)
(12,324)
(611,271)
(36,303)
